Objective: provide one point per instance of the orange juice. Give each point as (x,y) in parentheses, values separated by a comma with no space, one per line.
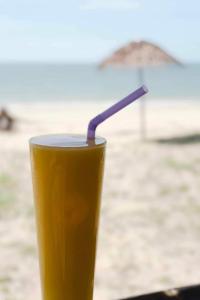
(67,181)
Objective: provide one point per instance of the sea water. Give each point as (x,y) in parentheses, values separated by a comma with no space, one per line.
(67,82)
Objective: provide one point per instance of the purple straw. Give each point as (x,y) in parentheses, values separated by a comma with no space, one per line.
(114,109)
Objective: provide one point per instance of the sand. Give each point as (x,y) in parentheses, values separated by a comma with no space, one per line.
(149,236)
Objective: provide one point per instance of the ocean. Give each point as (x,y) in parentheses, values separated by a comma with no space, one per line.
(65,82)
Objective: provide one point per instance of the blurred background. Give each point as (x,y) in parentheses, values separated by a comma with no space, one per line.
(63,62)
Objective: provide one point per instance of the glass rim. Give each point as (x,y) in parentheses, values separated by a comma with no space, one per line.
(49,141)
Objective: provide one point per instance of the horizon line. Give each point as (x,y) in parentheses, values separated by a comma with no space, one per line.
(69,62)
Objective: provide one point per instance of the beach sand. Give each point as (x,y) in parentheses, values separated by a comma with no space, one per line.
(150,215)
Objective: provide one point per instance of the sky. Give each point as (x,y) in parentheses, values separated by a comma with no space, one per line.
(88,30)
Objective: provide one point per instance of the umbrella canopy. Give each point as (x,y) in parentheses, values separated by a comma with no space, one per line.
(139,54)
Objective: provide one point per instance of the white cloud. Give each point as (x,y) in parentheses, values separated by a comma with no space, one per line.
(111,4)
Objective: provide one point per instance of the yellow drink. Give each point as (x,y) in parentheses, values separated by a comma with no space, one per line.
(67,180)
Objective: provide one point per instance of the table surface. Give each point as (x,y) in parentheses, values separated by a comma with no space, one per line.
(182,293)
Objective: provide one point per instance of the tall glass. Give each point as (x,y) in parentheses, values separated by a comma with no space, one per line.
(67,180)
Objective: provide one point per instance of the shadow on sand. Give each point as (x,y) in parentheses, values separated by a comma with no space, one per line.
(180,140)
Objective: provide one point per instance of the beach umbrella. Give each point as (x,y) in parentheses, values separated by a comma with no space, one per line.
(139,54)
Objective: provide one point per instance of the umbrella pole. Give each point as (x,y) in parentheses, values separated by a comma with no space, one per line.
(143,125)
